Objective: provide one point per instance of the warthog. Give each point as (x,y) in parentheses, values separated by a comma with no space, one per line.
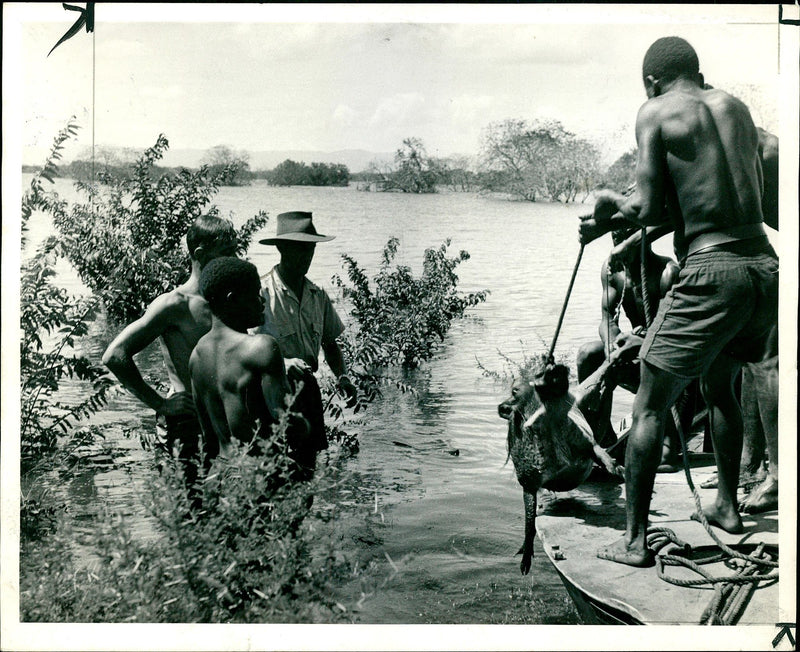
(549,441)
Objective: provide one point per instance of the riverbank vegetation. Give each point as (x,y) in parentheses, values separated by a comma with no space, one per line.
(537,160)
(258,550)
(292,173)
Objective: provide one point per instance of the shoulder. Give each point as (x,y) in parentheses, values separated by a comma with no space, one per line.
(614,280)
(162,312)
(170,302)
(270,278)
(720,98)
(313,287)
(261,350)
(768,144)
(727,106)
(651,111)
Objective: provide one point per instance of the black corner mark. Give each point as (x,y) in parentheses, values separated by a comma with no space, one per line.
(786,630)
(785,21)
(86,18)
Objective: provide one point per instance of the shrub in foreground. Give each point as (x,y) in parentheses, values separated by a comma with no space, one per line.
(249,555)
(51,322)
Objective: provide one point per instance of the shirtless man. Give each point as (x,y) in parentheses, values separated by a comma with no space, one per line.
(621,282)
(178,319)
(698,152)
(760,379)
(238,380)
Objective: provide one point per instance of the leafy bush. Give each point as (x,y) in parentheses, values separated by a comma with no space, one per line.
(126,239)
(401,319)
(249,555)
(292,173)
(51,321)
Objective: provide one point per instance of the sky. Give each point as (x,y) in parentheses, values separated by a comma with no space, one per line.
(296,77)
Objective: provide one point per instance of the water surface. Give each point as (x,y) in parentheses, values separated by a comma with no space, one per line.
(451,524)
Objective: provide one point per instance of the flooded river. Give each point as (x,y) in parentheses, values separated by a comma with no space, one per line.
(451,524)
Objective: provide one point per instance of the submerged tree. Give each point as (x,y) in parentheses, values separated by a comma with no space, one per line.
(51,323)
(292,173)
(232,167)
(539,160)
(415,171)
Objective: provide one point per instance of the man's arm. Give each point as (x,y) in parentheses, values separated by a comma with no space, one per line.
(635,239)
(645,206)
(118,357)
(768,153)
(332,328)
(335,360)
(274,385)
(611,298)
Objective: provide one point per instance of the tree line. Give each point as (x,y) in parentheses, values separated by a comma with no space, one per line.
(536,160)
(531,161)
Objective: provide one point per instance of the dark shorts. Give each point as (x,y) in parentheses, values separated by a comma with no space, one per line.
(309,404)
(181,432)
(725,301)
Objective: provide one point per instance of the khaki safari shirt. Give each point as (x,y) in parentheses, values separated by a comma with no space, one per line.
(300,327)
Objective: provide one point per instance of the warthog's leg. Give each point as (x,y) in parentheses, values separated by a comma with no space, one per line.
(530,531)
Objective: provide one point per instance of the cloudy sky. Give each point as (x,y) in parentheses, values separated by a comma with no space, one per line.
(343,77)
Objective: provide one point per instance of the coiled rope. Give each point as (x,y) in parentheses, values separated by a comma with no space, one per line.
(731,593)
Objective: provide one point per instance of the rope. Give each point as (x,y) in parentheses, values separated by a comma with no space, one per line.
(648,313)
(550,358)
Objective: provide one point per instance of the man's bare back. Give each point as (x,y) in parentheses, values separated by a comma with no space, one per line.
(177,319)
(239,380)
(239,383)
(710,146)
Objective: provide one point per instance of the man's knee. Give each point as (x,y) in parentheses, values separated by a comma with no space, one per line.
(658,389)
(590,356)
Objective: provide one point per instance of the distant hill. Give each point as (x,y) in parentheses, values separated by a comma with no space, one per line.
(356,160)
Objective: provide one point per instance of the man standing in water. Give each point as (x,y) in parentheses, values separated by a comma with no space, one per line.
(698,153)
(178,319)
(238,380)
(301,317)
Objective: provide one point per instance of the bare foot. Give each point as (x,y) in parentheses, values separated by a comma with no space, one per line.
(711,483)
(763,498)
(727,520)
(668,466)
(622,553)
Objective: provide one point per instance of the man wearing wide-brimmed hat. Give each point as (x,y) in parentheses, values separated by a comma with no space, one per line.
(300,316)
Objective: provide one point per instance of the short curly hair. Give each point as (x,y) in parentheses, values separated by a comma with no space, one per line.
(669,58)
(225,275)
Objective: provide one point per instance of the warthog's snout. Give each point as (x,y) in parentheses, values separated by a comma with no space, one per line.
(521,395)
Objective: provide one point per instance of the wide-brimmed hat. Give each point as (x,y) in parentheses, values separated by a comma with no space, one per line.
(296,226)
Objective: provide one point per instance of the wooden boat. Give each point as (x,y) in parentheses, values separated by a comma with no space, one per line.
(573,525)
